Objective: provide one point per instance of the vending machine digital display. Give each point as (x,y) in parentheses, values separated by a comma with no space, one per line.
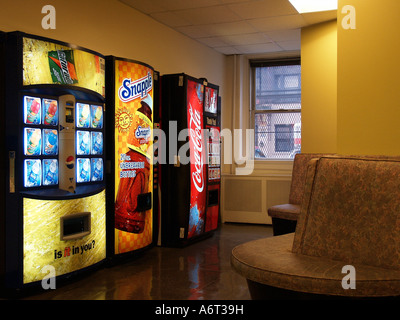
(55,189)
(130,100)
(189,184)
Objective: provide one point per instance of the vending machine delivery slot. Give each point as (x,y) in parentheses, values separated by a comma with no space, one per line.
(75,226)
(144,201)
(213,197)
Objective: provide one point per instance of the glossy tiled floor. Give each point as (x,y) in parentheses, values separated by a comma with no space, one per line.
(200,271)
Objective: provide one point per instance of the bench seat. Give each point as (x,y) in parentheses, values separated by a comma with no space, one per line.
(284,216)
(271,262)
(349,216)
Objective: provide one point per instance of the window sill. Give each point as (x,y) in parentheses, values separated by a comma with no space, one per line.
(273,167)
(270,168)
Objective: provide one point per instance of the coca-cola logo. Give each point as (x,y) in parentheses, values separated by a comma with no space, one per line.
(197,142)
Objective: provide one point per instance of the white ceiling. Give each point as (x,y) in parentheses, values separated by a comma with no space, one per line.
(234,26)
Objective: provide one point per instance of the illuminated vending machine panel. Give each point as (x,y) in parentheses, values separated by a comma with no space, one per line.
(197,147)
(213,128)
(56,158)
(41,141)
(130,133)
(89,142)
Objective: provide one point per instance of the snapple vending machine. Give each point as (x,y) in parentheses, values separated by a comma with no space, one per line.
(130,95)
(55,188)
(185,184)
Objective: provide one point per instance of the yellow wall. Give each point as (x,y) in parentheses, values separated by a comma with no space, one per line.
(319,88)
(112,28)
(369,79)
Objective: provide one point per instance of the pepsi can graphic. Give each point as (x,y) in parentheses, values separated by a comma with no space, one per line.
(83,170)
(50,172)
(82,142)
(97,169)
(33,172)
(97,143)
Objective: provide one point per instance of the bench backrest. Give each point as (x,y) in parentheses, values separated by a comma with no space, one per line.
(299,175)
(351,211)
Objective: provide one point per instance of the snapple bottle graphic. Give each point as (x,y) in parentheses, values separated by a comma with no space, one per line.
(197,156)
(135,172)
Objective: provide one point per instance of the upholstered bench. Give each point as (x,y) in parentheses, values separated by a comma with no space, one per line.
(284,216)
(350,216)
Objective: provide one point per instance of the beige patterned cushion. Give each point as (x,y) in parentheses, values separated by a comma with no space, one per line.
(299,174)
(353,213)
(270,261)
(291,210)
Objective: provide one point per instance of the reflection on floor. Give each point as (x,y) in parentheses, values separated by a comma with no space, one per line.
(200,271)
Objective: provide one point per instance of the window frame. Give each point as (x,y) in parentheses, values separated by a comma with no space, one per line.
(258,63)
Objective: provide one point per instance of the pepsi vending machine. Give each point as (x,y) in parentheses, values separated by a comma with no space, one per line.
(130,101)
(54,202)
(190,169)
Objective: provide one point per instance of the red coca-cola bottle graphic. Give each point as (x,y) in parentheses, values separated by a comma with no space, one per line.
(130,215)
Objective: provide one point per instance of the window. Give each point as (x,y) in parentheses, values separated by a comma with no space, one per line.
(276,109)
(284,138)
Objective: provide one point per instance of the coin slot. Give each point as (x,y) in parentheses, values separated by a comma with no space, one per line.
(212,197)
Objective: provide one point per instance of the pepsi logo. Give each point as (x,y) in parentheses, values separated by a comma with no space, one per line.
(70,162)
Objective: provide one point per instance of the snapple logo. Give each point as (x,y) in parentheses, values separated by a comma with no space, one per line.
(196,138)
(143,133)
(130,90)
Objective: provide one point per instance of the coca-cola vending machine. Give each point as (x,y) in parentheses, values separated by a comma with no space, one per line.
(189,195)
